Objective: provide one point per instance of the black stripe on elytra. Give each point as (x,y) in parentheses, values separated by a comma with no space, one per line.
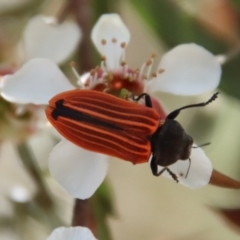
(63,111)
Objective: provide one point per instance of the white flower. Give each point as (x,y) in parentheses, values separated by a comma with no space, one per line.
(199,173)
(44,37)
(71,233)
(187,69)
(78,171)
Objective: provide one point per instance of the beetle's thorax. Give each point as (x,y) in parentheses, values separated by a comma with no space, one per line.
(170,143)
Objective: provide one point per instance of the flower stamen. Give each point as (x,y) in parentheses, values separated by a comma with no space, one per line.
(147,65)
(103,63)
(91,78)
(73,65)
(103,41)
(116,59)
(124,69)
(142,69)
(123,45)
(150,64)
(114,40)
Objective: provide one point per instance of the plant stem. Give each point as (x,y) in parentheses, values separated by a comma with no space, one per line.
(83,215)
(29,162)
(82,11)
(82,212)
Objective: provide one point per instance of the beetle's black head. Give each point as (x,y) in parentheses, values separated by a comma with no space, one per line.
(170,143)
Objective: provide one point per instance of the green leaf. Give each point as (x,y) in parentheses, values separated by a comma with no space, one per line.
(102,7)
(102,203)
(174,26)
(231,78)
(236,4)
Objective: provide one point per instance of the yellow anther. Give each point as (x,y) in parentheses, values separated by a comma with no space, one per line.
(103,58)
(153,55)
(110,76)
(131,79)
(149,62)
(103,42)
(161,70)
(123,45)
(92,72)
(123,63)
(72,64)
(154,74)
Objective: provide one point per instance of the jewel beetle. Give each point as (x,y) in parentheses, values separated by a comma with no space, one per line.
(103,123)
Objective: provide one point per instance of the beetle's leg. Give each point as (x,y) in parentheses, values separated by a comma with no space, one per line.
(173,175)
(148,101)
(154,168)
(175,113)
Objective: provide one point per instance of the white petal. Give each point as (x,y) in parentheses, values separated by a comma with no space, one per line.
(49,40)
(109,27)
(78,171)
(36,82)
(71,233)
(20,194)
(199,173)
(189,70)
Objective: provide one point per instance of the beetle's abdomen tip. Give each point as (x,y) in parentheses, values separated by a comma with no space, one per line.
(55,114)
(53,110)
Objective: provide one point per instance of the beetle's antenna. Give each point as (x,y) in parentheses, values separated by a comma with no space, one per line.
(203,145)
(188,167)
(175,113)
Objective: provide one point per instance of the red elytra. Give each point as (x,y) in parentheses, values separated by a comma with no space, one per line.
(103,123)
